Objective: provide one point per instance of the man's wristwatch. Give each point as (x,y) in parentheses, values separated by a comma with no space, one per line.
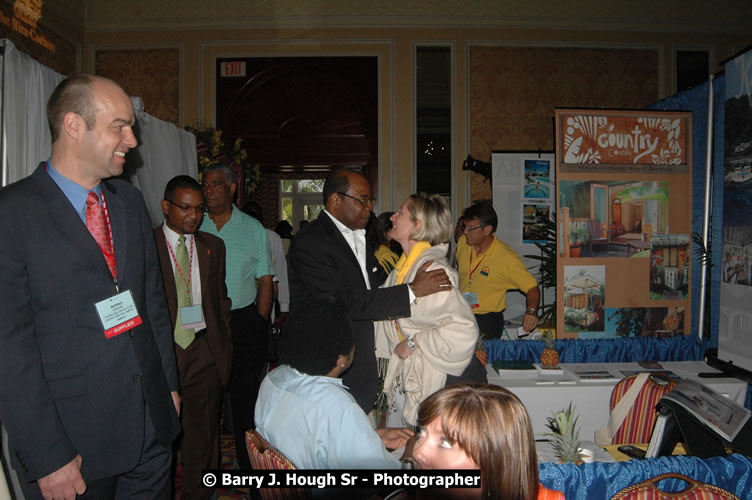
(532,311)
(410,344)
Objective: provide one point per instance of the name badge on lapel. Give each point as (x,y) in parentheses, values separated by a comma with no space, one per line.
(118,314)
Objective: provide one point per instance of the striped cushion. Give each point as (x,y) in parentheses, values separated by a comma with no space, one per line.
(265,457)
(638,426)
(647,490)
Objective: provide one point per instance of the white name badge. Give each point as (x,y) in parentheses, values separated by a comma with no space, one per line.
(472,299)
(118,314)
(192,316)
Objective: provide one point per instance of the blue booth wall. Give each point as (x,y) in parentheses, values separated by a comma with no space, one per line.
(696,101)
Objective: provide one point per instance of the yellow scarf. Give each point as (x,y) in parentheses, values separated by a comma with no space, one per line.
(405,262)
(403,266)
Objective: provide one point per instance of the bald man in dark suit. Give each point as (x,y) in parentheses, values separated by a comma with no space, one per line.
(88,378)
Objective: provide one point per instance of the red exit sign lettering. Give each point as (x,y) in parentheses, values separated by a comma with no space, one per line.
(233,68)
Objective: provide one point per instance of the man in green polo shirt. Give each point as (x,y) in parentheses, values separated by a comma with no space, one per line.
(488,269)
(249,285)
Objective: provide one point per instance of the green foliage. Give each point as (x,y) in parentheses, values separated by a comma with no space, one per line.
(578,235)
(549,340)
(576,196)
(213,147)
(287,210)
(705,257)
(312,211)
(565,437)
(629,320)
(311,186)
(547,268)
(576,318)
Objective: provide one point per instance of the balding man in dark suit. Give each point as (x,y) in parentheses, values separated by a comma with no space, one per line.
(88,379)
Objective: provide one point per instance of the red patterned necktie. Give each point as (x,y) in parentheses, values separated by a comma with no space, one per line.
(97,226)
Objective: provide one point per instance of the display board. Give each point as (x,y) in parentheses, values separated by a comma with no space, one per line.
(523,195)
(735,325)
(624,222)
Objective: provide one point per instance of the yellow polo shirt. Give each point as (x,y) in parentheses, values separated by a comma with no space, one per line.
(494,272)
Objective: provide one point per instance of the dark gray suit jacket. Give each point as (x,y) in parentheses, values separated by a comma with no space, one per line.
(64,387)
(322,266)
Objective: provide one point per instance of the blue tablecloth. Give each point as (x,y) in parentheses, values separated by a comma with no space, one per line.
(601,350)
(603,480)
(605,351)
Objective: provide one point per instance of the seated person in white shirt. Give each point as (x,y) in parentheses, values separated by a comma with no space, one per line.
(305,411)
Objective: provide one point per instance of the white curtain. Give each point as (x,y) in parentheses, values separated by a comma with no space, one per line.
(163,152)
(25,134)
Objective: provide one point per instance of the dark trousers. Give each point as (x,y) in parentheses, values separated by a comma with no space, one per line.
(490,325)
(362,378)
(201,392)
(250,337)
(150,479)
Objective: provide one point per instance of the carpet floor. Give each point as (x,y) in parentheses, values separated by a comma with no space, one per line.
(227,461)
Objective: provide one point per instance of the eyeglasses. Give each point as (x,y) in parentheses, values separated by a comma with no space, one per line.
(365,203)
(467,229)
(186,208)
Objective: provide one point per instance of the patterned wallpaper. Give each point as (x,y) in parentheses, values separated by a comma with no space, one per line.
(514,90)
(152,74)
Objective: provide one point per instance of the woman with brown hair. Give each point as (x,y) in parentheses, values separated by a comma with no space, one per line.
(486,427)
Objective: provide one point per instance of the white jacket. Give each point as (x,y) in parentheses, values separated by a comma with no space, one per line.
(444,329)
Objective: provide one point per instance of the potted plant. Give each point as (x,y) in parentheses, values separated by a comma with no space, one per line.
(546,272)
(578,236)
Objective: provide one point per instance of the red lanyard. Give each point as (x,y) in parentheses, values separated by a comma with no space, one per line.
(476,266)
(177,266)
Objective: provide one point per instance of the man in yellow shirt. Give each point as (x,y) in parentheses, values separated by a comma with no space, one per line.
(488,269)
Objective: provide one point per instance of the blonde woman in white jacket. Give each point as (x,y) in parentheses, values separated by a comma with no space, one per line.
(435,345)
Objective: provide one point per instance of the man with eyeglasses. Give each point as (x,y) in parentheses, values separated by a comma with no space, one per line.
(193,272)
(488,269)
(330,260)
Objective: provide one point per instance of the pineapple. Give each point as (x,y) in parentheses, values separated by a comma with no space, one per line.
(549,357)
(565,438)
(480,351)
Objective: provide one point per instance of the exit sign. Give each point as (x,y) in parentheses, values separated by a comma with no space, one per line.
(233,68)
